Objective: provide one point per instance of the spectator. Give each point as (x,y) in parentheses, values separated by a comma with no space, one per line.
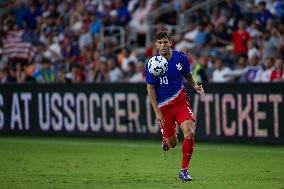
(64,11)
(178,42)
(138,22)
(240,68)
(240,39)
(131,71)
(270,6)
(277,73)
(253,72)
(150,51)
(190,35)
(6,77)
(85,38)
(101,75)
(52,9)
(31,17)
(271,46)
(80,75)
(268,68)
(253,50)
(52,49)
(270,25)
(115,74)
(217,18)
(26,76)
(61,78)
(47,73)
(234,7)
(263,15)
(278,7)
(76,75)
(222,36)
(202,37)
(19,11)
(232,20)
(199,70)
(125,57)
(14,74)
(220,73)
(139,75)
(95,25)
(123,16)
(253,30)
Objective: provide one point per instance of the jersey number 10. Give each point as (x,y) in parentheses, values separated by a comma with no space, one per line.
(164,80)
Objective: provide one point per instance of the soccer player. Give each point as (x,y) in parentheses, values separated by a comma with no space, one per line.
(170,101)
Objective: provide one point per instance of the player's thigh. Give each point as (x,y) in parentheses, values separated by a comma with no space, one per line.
(184,112)
(185,118)
(168,128)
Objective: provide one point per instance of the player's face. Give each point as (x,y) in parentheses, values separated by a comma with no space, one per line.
(164,46)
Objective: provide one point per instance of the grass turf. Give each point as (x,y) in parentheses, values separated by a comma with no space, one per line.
(102,164)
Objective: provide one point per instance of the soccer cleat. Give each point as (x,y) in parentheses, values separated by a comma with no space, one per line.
(165,147)
(183,175)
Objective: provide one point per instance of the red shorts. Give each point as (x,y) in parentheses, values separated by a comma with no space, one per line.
(178,111)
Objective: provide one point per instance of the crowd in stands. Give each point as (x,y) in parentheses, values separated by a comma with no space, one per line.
(235,41)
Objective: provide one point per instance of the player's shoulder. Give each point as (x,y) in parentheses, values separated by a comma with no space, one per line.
(180,56)
(179,53)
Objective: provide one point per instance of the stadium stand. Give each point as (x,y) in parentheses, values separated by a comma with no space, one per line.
(96,41)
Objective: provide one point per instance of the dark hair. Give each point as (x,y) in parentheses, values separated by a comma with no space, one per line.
(163,34)
(263,3)
(46,60)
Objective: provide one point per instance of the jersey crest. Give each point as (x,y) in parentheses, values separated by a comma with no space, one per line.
(179,66)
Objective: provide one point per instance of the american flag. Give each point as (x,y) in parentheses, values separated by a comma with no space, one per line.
(15,48)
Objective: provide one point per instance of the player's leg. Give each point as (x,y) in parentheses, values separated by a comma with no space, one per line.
(188,143)
(185,119)
(168,130)
(172,141)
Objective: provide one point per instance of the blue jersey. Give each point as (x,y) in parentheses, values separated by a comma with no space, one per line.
(169,85)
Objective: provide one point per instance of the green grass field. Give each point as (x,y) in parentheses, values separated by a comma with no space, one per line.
(100,163)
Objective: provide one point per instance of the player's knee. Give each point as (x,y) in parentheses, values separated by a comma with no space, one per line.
(188,133)
(172,143)
(187,128)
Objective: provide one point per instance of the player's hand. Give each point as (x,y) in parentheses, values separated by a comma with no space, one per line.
(159,118)
(199,89)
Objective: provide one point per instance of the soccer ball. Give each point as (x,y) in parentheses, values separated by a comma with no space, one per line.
(157,65)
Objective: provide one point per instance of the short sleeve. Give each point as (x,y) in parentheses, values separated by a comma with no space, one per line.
(150,79)
(186,65)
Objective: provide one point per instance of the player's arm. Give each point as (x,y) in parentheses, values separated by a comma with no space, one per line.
(152,98)
(188,76)
(192,82)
